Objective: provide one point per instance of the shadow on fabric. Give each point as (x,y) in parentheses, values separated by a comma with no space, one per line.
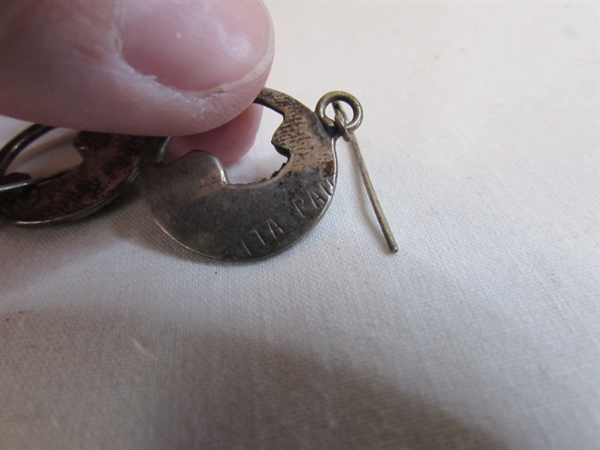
(88,379)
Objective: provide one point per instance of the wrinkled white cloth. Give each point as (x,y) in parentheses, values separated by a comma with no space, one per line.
(481,136)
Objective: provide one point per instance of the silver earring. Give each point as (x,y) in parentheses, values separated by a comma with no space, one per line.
(191,199)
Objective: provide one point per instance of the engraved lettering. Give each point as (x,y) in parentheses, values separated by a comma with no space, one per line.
(274,228)
(328,187)
(246,247)
(298,204)
(257,234)
(317,198)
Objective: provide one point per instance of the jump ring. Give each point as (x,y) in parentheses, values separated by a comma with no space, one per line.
(327,99)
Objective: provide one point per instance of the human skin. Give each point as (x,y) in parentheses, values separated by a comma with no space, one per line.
(172,68)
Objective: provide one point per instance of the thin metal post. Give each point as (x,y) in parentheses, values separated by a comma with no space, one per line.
(351,138)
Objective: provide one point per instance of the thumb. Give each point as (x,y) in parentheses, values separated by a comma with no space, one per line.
(133,67)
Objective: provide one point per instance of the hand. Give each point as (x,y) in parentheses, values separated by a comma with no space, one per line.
(138,67)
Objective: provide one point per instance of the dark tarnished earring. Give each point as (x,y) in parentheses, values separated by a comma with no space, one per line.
(191,199)
(110,164)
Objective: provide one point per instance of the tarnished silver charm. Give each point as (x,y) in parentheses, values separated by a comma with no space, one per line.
(110,163)
(193,202)
(191,199)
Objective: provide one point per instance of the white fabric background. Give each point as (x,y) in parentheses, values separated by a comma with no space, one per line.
(481,135)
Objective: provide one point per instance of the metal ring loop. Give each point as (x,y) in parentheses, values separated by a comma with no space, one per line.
(13,148)
(327,99)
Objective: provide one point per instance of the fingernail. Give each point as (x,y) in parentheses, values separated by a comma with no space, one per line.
(199,46)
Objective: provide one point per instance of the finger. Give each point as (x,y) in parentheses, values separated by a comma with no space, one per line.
(134,67)
(229,142)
